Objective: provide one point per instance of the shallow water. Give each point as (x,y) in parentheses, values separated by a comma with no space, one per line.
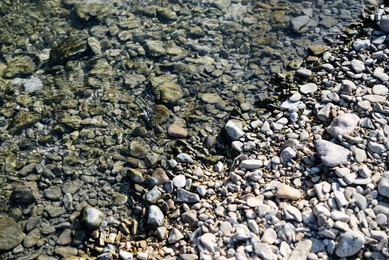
(92,114)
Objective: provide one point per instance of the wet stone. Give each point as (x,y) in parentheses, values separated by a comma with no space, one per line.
(11,234)
(91,218)
(22,120)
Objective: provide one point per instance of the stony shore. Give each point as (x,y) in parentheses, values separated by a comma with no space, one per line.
(301,176)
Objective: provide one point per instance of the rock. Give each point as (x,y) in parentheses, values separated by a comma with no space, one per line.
(32,85)
(20,66)
(154,48)
(269,236)
(166,88)
(11,234)
(186,196)
(301,251)
(308,88)
(53,193)
(160,175)
(135,176)
(179,181)
(234,129)
(32,238)
(97,9)
(91,218)
(318,49)
(287,154)
(65,238)
(155,216)
(383,185)
(384,23)
(208,240)
(361,44)
(184,158)
(124,255)
(189,257)
(349,244)
(264,251)
(286,192)
(25,193)
(177,131)
(174,236)
(22,120)
(65,251)
(300,21)
(358,66)
(331,154)
(190,217)
(343,124)
(250,164)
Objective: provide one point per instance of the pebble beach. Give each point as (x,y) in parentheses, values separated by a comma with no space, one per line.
(190,130)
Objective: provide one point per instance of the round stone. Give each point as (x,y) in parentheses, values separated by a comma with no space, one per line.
(91,218)
(179,181)
(177,131)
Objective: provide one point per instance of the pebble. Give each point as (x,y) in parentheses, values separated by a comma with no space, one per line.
(251,164)
(308,88)
(184,158)
(286,192)
(234,130)
(174,236)
(349,244)
(179,181)
(186,196)
(177,131)
(357,66)
(361,44)
(11,234)
(301,250)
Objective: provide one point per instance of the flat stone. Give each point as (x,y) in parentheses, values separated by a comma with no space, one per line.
(349,244)
(190,217)
(187,196)
(292,213)
(32,238)
(287,154)
(380,89)
(66,251)
(343,124)
(208,240)
(184,158)
(250,164)
(331,154)
(177,131)
(308,88)
(384,23)
(318,49)
(254,201)
(361,44)
(284,191)
(357,66)
(53,193)
(11,234)
(300,21)
(264,251)
(301,251)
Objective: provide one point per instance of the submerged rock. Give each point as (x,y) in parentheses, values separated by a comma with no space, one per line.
(20,66)
(166,88)
(11,234)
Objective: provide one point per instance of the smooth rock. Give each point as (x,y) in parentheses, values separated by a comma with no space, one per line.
(187,196)
(308,88)
(177,131)
(284,191)
(174,236)
(250,164)
(234,129)
(91,218)
(349,244)
(331,154)
(11,234)
(343,124)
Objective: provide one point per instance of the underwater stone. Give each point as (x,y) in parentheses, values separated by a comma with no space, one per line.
(22,120)
(20,66)
(166,88)
(11,234)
